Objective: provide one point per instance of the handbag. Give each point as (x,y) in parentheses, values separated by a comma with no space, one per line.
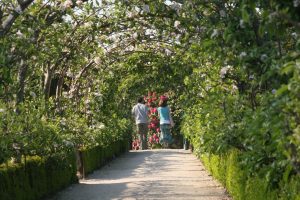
(172,124)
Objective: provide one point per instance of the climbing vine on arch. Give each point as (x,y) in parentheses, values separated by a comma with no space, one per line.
(74,68)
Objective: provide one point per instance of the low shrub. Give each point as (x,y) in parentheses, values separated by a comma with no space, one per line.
(96,157)
(227,169)
(36,177)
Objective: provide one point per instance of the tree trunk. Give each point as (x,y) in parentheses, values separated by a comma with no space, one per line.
(47,83)
(80,164)
(19,99)
(59,89)
(21,82)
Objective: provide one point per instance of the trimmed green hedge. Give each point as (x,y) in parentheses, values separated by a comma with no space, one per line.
(96,157)
(37,178)
(41,177)
(227,170)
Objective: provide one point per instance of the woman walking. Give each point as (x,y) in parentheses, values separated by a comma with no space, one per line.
(165,121)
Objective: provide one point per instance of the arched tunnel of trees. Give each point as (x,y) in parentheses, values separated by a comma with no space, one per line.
(70,72)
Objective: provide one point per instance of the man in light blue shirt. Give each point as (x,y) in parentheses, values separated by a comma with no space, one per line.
(140,113)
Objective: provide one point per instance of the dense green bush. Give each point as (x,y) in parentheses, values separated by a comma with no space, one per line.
(228,170)
(37,177)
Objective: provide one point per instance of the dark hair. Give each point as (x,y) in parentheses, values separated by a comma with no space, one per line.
(141,99)
(163,103)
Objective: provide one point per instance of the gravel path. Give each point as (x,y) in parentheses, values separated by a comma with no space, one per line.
(151,174)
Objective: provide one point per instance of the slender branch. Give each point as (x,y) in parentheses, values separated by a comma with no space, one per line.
(24,4)
(8,22)
(74,87)
(1,15)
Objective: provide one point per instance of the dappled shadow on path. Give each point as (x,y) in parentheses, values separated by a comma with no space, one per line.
(150,174)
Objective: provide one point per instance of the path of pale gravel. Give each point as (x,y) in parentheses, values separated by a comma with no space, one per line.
(150,174)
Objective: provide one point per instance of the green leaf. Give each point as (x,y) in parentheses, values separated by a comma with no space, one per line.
(245,15)
(281,90)
(288,68)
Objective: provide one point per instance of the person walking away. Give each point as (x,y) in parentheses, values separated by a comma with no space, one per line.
(165,121)
(140,113)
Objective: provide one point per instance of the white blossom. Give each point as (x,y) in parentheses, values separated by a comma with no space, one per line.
(135,35)
(97,60)
(177,39)
(273,15)
(13,48)
(175,6)
(19,34)
(168,52)
(68,4)
(30,30)
(2,110)
(234,87)
(215,33)
(65,49)
(137,9)
(101,126)
(296,3)
(65,94)
(146,8)
(69,73)
(68,143)
(16,146)
(114,38)
(63,121)
(131,14)
(55,25)
(243,54)
(79,2)
(263,57)
(202,75)
(130,48)
(97,94)
(222,13)
(242,23)
(176,24)
(201,95)
(19,10)
(294,35)
(206,13)
(89,112)
(208,87)
(32,94)
(224,71)
(148,32)
(87,24)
